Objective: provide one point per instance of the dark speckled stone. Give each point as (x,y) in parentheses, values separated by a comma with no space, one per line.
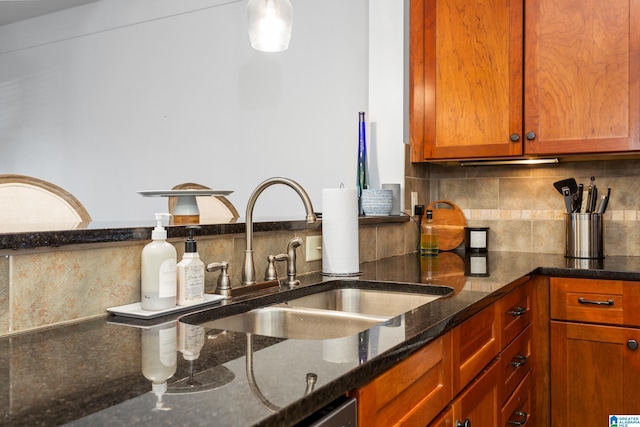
(109,232)
(91,373)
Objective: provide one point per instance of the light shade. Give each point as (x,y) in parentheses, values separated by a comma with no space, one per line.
(270,24)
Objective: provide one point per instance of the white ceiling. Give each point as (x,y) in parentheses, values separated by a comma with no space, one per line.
(18,10)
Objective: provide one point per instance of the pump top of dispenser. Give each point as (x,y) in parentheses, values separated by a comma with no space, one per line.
(160,233)
(190,245)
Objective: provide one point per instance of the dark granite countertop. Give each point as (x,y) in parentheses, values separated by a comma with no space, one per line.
(99,372)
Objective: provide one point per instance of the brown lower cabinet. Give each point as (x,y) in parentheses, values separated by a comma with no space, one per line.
(595,359)
(477,405)
(478,374)
(412,392)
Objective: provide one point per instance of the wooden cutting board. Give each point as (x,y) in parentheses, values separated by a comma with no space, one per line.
(450,221)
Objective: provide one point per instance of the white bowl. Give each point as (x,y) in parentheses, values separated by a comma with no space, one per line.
(377,202)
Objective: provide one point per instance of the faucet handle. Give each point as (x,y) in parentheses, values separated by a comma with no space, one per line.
(272,272)
(224,282)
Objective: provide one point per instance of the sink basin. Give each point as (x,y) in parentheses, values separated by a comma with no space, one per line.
(297,323)
(327,314)
(364,301)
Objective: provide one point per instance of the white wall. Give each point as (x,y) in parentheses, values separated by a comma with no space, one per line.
(125,95)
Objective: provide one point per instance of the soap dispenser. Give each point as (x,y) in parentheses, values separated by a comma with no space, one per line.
(159,352)
(190,274)
(158,272)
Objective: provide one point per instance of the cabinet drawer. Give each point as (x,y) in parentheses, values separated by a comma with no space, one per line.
(613,302)
(515,363)
(411,393)
(515,312)
(517,411)
(475,342)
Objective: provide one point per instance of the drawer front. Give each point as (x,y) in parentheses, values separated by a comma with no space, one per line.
(475,343)
(411,393)
(591,301)
(516,309)
(518,410)
(515,363)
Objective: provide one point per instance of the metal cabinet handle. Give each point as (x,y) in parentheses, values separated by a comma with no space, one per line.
(632,344)
(531,136)
(518,311)
(514,137)
(520,422)
(465,423)
(588,301)
(518,361)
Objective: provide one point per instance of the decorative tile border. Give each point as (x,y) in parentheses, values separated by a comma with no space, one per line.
(541,214)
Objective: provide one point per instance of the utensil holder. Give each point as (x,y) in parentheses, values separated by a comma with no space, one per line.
(584,237)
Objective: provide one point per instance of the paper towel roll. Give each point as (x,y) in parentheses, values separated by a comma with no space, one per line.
(340,254)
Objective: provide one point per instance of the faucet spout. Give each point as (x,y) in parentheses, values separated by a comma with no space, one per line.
(248,270)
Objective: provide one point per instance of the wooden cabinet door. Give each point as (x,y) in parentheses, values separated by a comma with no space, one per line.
(466,79)
(411,393)
(476,342)
(478,403)
(595,372)
(582,92)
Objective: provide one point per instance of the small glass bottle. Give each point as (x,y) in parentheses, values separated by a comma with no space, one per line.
(429,236)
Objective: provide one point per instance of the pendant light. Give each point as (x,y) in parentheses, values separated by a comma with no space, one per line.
(270,24)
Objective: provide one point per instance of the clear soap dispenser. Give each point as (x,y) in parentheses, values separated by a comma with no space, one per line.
(190,274)
(158,271)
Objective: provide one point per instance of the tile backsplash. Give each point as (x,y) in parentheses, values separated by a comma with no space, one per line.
(526,213)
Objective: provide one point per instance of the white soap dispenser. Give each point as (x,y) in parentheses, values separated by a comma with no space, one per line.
(159,351)
(158,272)
(190,274)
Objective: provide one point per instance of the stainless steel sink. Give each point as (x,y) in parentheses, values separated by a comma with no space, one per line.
(364,301)
(296,322)
(328,314)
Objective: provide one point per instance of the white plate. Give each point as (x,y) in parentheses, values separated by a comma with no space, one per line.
(168,193)
(134,310)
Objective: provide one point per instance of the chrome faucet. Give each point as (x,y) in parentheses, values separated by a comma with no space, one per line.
(248,269)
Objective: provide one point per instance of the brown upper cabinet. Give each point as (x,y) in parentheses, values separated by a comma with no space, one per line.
(507,78)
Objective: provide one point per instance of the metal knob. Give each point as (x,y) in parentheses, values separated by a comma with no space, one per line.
(465,423)
(272,271)
(531,136)
(514,137)
(224,282)
(523,416)
(632,344)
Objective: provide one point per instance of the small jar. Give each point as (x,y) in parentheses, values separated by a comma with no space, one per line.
(476,239)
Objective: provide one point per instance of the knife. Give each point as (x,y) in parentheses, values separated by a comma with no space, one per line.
(604,201)
(594,199)
(587,206)
(568,199)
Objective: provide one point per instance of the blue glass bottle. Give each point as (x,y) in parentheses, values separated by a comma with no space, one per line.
(362,180)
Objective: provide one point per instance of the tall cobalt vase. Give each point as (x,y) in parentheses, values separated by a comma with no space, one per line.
(362,180)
